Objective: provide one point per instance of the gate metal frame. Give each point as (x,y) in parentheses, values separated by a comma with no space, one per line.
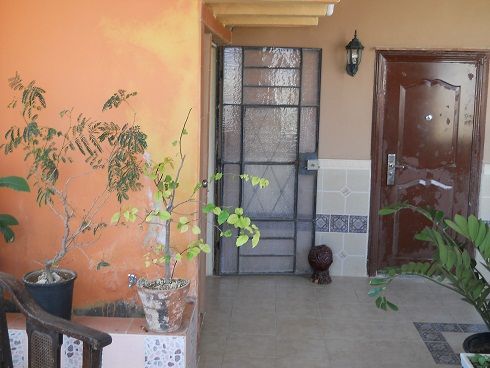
(219,151)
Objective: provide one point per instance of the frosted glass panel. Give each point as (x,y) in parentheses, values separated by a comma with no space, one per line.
(270,134)
(275,229)
(229,254)
(278,247)
(270,96)
(273,57)
(308,127)
(274,201)
(271,77)
(309,77)
(231,185)
(266,264)
(232,136)
(232,75)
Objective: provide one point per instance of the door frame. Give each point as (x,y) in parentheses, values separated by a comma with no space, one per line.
(480,58)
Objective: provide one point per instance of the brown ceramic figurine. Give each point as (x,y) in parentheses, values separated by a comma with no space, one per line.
(320,259)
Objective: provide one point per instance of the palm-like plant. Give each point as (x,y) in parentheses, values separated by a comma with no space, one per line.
(453,265)
(6,220)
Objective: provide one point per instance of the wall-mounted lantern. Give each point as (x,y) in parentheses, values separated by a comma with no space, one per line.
(354,54)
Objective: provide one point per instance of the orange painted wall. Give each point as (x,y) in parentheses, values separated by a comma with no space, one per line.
(82,52)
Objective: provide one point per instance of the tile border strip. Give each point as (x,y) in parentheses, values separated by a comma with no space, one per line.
(333,223)
(436,343)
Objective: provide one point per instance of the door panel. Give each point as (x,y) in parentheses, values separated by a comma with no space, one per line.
(427,115)
(268,128)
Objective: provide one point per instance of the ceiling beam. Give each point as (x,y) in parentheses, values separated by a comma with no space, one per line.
(261,20)
(293,9)
(214,26)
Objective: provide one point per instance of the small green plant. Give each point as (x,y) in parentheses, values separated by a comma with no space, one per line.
(6,220)
(480,361)
(452,265)
(165,177)
(49,152)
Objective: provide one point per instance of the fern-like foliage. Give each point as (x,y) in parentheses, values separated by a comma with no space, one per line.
(452,266)
(102,145)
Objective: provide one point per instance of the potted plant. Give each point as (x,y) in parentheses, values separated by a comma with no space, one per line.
(475,361)
(453,266)
(163,299)
(50,155)
(6,220)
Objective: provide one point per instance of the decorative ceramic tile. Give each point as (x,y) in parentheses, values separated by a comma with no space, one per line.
(322,223)
(441,351)
(339,223)
(473,328)
(164,351)
(345,191)
(72,353)
(18,347)
(358,224)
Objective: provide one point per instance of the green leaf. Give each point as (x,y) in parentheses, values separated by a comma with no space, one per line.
(184,228)
(466,259)
(15,183)
(183,220)
(164,215)
(255,180)
(218,176)
(208,208)
(473,226)
(7,232)
(482,232)
(255,239)
(101,264)
(217,211)
(374,292)
(239,211)
(232,219)
(8,220)
(205,247)
(115,218)
(462,224)
(196,230)
(378,281)
(242,239)
(174,143)
(178,257)
(223,216)
(387,211)
(227,234)
(392,306)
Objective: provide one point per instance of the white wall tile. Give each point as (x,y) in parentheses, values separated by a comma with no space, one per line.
(485,208)
(334,179)
(336,267)
(333,203)
(326,163)
(357,204)
(358,180)
(356,244)
(354,266)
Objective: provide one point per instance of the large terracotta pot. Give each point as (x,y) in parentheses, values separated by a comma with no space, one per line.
(164,308)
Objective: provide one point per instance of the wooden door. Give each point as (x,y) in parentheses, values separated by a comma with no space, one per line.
(428,120)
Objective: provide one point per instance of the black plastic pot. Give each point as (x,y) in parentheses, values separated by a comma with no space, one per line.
(54,298)
(478,343)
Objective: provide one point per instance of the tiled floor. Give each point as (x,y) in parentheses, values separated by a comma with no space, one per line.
(286,322)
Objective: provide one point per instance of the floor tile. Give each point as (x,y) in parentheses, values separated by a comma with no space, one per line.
(253,346)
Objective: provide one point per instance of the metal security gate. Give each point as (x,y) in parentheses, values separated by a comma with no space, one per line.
(268,126)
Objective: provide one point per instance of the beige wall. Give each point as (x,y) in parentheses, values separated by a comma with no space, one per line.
(346,103)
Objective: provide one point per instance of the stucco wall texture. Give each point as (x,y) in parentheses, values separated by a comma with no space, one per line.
(81,53)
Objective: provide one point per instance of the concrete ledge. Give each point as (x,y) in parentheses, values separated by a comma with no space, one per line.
(132,344)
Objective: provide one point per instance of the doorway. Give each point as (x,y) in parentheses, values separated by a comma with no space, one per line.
(428,126)
(268,127)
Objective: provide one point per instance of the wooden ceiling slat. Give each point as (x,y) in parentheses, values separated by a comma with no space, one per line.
(260,20)
(269,1)
(293,9)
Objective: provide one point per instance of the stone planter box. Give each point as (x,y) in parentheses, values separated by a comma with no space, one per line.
(465,360)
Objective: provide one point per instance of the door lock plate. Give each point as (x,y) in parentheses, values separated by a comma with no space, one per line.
(391,167)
